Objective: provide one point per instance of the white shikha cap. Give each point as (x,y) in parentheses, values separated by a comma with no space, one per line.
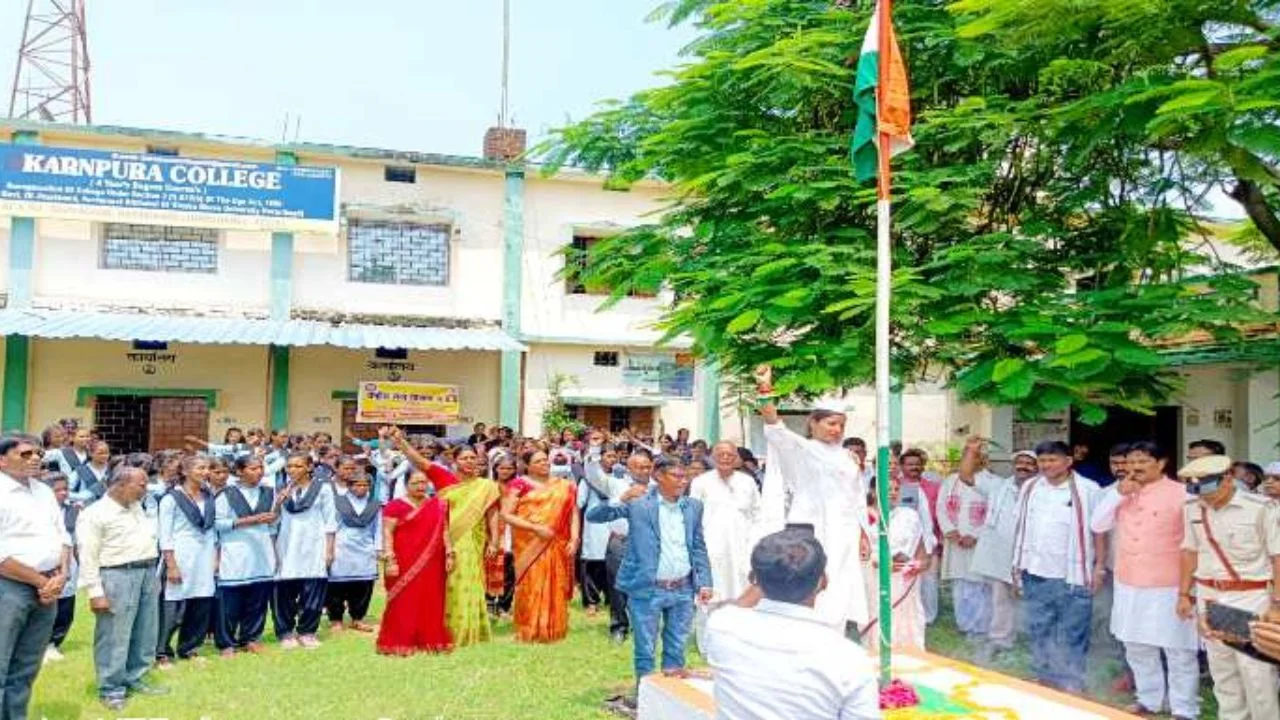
(836,405)
(1272,468)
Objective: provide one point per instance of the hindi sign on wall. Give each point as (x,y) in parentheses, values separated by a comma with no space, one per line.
(42,181)
(407,403)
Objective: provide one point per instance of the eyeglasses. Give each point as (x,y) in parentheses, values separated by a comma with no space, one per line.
(27,454)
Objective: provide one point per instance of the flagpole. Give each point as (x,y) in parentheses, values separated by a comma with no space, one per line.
(884,269)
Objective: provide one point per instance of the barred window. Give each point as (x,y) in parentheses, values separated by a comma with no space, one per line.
(394,253)
(159,248)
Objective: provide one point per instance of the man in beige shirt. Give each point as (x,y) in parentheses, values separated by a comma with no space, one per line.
(118,556)
(1231,555)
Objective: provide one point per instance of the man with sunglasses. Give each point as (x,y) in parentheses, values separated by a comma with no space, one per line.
(1230,555)
(34,550)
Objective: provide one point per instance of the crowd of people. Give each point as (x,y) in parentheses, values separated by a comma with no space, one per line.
(680,538)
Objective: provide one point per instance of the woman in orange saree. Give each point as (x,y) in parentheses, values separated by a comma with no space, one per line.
(543,514)
(418,556)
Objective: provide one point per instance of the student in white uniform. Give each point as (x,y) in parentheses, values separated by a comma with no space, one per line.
(90,480)
(305,547)
(67,600)
(246,513)
(357,546)
(188,548)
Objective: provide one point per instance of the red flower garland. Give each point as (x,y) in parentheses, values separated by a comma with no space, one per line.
(898,694)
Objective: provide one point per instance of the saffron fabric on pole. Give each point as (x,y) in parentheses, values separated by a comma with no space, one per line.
(883,97)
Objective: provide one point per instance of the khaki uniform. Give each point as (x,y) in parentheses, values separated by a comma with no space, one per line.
(1247,529)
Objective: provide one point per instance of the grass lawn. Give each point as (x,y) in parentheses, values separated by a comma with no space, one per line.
(346,679)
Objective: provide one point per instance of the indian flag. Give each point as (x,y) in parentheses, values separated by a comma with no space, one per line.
(882,96)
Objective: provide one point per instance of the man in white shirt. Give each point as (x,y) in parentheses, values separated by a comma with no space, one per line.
(118,558)
(779,660)
(1058,563)
(730,501)
(34,550)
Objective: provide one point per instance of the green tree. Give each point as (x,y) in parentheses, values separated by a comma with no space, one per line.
(1043,224)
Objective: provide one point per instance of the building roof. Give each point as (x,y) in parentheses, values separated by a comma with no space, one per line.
(63,324)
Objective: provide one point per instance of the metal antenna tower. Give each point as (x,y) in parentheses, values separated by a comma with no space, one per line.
(51,78)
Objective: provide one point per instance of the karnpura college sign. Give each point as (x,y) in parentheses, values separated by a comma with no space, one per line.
(40,181)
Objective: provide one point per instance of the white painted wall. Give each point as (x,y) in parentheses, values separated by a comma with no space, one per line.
(66,270)
(1210,388)
(1264,416)
(471,201)
(553,209)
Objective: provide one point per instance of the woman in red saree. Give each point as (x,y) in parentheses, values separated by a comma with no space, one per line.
(418,558)
(543,514)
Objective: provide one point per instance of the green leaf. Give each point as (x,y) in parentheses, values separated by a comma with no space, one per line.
(743,322)
(1070,343)
(1189,101)
(1076,359)
(1006,368)
(1092,415)
(1233,59)
(1139,356)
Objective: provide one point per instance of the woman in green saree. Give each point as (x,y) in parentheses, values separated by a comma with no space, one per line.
(473,532)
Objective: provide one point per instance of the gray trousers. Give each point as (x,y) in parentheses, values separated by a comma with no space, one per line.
(124,639)
(25,629)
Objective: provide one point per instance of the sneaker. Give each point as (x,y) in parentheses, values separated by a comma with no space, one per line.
(53,654)
(309,642)
(144,689)
(289,643)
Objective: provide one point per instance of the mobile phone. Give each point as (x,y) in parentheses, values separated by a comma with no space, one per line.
(1228,620)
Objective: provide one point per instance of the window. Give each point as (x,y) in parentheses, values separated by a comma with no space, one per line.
(159,248)
(394,253)
(619,419)
(576,257)
(383,353)
(396,174)
(165,150)
(606,358)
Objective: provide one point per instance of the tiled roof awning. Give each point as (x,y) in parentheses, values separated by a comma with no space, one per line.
(63,324)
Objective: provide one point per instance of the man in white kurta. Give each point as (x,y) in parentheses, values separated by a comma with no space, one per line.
(993,553)
(962,513)
(826,491)
(730,501)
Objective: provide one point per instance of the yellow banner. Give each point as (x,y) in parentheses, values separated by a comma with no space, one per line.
(407,403)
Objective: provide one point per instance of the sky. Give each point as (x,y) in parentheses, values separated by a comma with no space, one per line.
(398,74)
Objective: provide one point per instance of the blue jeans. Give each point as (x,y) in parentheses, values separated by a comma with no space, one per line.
(1059,619)
(25,628)
(124,639)
(675,609)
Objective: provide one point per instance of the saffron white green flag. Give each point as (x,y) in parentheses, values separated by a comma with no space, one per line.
(880,109)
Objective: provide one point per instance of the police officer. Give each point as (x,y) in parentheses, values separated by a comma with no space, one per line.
(1231,555)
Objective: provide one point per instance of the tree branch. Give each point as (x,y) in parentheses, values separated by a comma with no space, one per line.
(1254,202)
